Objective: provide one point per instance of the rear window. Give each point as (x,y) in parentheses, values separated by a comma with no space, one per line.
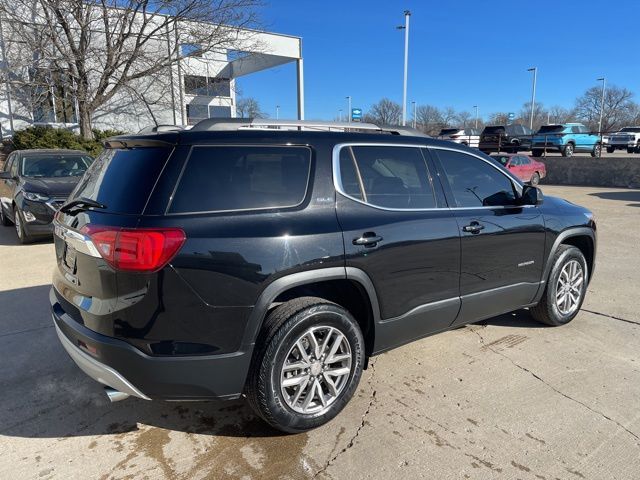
(551,129)
(493,130)
(122,179)
(631,129)
(501,159)
(449,131)
(219,179)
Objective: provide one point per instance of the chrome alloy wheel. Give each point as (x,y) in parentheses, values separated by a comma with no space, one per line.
(569,287)
(18,223)
(316,370)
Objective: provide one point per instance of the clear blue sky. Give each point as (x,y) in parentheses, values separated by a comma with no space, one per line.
(462,52)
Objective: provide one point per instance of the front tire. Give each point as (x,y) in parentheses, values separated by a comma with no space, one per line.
(307,364)
(610,149)
(18,220)
(565,289)
(535,179)
(537,152)
(631,149)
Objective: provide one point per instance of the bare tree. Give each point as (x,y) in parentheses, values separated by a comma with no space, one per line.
(100,47)
(498,118)
(464,119)
(429,119)
(449,116)
(385,112)
(558,114)
(618,108)
(249,108)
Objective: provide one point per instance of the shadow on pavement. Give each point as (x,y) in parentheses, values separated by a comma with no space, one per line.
(9,237)
(628,196)
(519,318)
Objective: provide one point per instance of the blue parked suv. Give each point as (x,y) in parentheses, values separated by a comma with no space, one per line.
(567,139)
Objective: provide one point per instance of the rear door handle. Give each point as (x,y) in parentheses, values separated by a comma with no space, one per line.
(368,239)
(473,227)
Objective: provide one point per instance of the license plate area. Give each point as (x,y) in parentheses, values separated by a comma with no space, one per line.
(69,258)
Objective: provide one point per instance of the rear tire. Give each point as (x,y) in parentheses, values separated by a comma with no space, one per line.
(289,327)
(535,179)
(565,289)
(631,149)
(597,151)
(567,150)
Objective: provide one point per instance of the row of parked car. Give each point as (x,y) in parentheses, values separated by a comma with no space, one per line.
(567,138)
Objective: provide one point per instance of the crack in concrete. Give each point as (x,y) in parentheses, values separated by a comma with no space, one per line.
(363,422)
(537,377)
(613,317)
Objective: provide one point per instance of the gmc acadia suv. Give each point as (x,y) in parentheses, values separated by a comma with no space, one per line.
(247,258)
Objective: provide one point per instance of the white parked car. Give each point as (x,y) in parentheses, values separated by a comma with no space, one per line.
(464,136)
(627,138)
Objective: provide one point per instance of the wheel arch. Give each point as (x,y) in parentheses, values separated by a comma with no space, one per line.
(349,287)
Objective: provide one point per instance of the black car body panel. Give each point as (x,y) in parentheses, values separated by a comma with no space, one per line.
(510,138)
(188,331)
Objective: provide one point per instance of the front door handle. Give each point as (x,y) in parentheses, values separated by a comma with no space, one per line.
(368,239)
(473,227)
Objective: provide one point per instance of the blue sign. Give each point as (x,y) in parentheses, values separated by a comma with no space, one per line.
(511,117)
(356,114)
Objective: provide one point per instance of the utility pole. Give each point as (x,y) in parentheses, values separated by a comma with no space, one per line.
(277,112)
(604,86)
(348,97)
(476,107)
(5,63)
(405,27)
(533,94)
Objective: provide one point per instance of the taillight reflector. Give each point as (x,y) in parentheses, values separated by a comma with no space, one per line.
(136,250)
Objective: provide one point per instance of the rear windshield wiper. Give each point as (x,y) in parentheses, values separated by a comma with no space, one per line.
(82,203)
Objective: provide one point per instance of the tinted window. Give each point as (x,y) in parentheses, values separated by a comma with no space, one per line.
(583,129)
(502,159)
(242,178)
(493,130)
(349,175)
(524,160)
(575,129)
(9,162)
(123,179)
(394,177)
(551,129)
(474,182)
(54,165)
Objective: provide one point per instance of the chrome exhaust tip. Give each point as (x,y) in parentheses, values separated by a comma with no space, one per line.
(114,395)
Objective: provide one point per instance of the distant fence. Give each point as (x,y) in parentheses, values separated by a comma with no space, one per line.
(622,172)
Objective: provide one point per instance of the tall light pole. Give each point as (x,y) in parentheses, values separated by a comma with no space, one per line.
(604,86)
(405,27)
(340,114)
(533,94)
(277,112)
(348,97)
(476,107)
(414,113)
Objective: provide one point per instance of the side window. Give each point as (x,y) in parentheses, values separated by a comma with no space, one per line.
(515,161)
(242,178)
(575,130)
(349,174)
(583,129)
(474,182)
(14,166)
(524,160)
(393,177)
(9,162)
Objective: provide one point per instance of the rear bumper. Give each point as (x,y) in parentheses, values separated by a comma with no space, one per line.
(119,365)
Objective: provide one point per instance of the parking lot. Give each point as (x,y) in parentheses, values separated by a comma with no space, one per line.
(506,398)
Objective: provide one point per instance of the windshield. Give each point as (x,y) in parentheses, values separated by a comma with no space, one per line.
(502,159)
(631,129)
(449,131)
(551,129)
(55,165)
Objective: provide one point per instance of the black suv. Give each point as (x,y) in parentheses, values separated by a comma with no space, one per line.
(33,185)
(236,259)
(510,138)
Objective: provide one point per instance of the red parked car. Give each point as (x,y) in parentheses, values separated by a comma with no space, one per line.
(525,168)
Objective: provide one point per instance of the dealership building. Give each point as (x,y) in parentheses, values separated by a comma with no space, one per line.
(195,88)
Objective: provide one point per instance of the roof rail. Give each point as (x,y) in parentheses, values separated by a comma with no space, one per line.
(227,124)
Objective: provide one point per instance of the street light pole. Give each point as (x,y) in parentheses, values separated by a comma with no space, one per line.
(604,83)
(348,97)
(405,27)
(476,107)
(277,112)
(340,114)
(414,113)
(533,94)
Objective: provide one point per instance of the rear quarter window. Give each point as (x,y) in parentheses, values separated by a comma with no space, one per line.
(122,179)
(231,178)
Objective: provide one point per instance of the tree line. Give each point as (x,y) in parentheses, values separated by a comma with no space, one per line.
(620,110)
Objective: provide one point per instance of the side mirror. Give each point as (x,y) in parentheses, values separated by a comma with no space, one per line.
(531,196)
(6,176)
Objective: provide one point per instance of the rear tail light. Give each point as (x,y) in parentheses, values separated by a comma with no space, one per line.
(136,250)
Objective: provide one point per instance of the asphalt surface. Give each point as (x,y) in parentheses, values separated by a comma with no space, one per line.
(505,399)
